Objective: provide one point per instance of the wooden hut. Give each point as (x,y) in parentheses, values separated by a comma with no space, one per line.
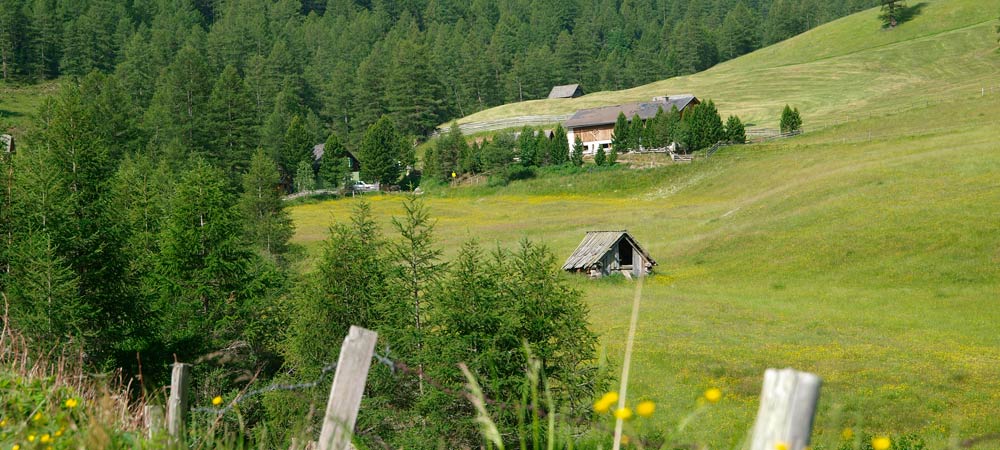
(607,252)
(567,91)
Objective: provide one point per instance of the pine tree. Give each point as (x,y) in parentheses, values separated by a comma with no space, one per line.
(267,223)
(44,295)
(620,137)
(234,133)
(446,157)
(13,44)
(706,126)
(890,12)
(559,146)
(297,149)
(177,110)
(527,147)
(381,153)
(612,156)
(635,133)
(46,38)
(577,158)
(600,158)
(305,178)
(790,120)
(735,132)
(739,34)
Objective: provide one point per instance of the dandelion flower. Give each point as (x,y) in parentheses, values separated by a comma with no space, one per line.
(71,403)
(847,434)
(45,439)
(59,432)
(713,395)
(881,443)
(781,446)
(16,447)
(31,438)
(645,409)
(3,422)
(217,400)
(38,417)
(625,440)
(623,413)
(601,406)
(610,397)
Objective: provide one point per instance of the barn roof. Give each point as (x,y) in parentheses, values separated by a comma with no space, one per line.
(596,244)
(320,149)
(567,91)
(646,110)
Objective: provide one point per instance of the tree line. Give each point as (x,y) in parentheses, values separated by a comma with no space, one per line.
(340,65)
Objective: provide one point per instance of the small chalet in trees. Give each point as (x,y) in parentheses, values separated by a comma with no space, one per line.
(567,91)
(607,252)
(595,126)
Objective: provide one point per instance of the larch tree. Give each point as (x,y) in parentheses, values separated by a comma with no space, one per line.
(233,125)
(265,219)
(890,12)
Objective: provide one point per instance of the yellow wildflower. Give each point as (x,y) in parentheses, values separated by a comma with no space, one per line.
(71,403)
(610,397)
(217,400)
(45,439)
(847,434)
(623,413)
(38,417)
(16,447)
(781,446)
(606,402)
(3,422)
(881,443)
(625,440)
(645,409)
(31,438)
(59,432)
(713,395)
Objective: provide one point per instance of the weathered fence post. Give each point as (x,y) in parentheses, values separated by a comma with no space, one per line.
(348,386)
(153,419)
(787,406)
(180,381)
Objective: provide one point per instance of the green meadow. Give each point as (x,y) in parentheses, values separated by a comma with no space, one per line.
(866,251)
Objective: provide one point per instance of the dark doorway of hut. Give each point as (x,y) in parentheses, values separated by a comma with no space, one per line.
(625,253)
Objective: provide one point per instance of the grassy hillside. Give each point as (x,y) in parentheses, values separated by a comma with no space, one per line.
(867,251)
(837,72)
(874,263)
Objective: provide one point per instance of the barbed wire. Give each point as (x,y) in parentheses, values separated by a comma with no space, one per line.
(324,373)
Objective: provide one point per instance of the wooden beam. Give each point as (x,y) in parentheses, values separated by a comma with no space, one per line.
(787,407)
(348,387)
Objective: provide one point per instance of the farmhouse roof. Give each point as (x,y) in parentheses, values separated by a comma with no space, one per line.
(320,149)
(646,110)
(567,91)
(596,244)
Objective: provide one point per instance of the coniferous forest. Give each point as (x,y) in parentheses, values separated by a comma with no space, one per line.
(141,216)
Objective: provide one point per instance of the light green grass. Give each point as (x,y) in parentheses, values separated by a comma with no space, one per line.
(19,103)
(838,72)
(875,264)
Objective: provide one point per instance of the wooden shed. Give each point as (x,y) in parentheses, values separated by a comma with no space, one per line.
(607,252)
(567,91)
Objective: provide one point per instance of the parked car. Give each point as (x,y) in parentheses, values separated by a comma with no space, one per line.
(361,186)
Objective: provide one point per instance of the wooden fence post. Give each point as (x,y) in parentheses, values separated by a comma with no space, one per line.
(348,386)
(787,406)
(180,381)
(153,419)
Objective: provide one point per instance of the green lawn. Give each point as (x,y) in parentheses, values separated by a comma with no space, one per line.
(19,103)
(875,264)
(838,72)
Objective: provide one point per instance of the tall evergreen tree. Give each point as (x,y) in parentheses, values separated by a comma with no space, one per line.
(890,12)
(382,153)
(735,132)
(577,157)
(527,147)
(233,125)
(620,136)
(635,133)
(267,223)
(177,110)
(559,146)
(739,34)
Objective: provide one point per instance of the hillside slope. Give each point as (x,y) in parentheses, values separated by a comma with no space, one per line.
(833,73)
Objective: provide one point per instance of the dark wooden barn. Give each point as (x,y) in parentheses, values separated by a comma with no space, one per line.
(607,252)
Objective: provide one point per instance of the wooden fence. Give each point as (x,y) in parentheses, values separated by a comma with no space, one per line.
(787,401)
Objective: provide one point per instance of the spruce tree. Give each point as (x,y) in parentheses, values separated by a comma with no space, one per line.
(305,178)
(297,148)
(620,136)
(334,166)
(559,146)
(577,158)
(446,157)
(790,120)
(612,156)
(178,107)
(739,34)
(527,148)
(890,12)
(233,125)
(635,134)
(600,158)
(735,132)
(267,223)
(381,152)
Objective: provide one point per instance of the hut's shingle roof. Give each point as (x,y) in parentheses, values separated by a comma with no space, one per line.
(567,91)
(646,110)
(595,245)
